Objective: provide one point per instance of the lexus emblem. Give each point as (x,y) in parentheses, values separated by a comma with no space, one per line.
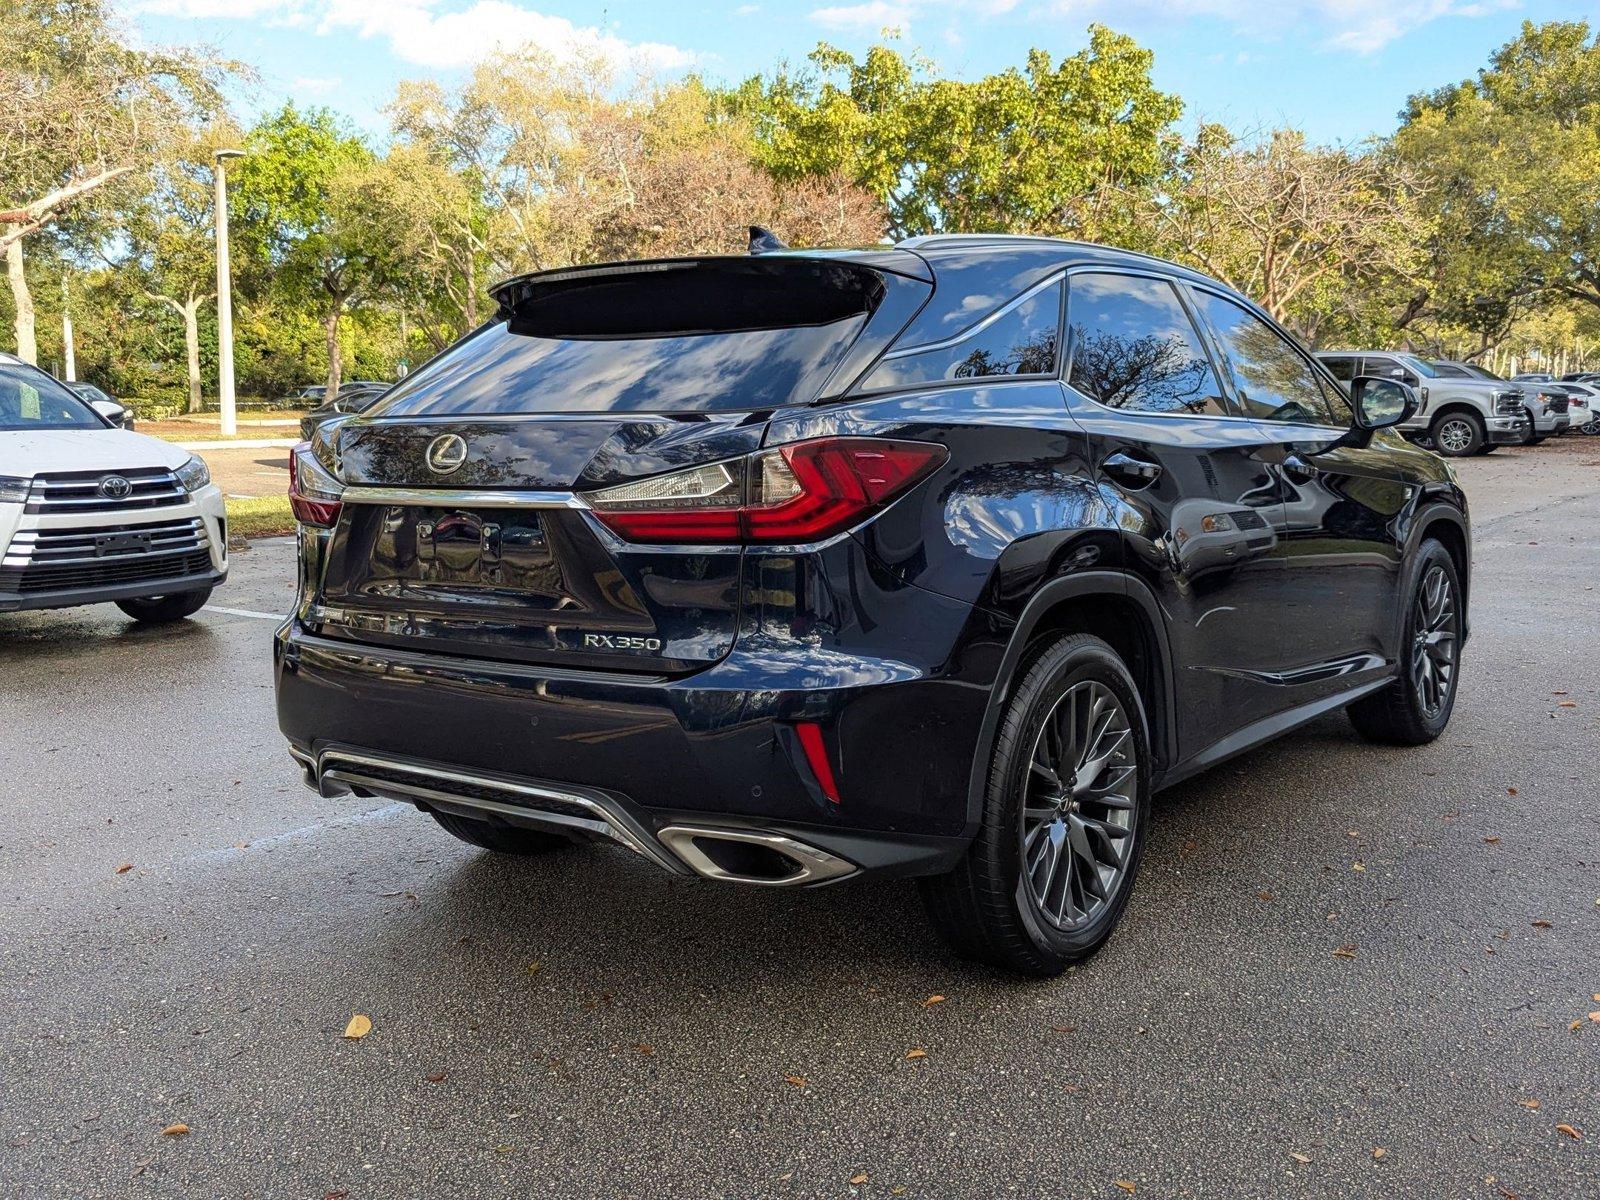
(115,487)
(446,453)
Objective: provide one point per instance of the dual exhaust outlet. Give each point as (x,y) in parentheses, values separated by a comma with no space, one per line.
(757,857)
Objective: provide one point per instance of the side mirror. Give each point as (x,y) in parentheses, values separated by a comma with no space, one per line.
(1381,403)
(111,411)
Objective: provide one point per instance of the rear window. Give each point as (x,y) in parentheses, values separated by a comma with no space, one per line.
(707,335)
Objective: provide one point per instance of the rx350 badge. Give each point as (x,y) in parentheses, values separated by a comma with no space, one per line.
(620,642)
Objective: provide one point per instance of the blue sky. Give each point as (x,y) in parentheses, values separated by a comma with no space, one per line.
(1341,69)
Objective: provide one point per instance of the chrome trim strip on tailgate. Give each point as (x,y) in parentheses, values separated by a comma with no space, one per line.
(401,497)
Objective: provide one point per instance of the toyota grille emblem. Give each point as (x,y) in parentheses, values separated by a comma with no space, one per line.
(115,487)
(446,453)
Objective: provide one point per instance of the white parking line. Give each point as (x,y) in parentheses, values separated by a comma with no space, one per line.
(244,612)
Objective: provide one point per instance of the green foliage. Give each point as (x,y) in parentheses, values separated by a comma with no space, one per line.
(1030,150)
(1512,158)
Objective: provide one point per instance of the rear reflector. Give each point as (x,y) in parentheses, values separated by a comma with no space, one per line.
(802,492)
(810,734)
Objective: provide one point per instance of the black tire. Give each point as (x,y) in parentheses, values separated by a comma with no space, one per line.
(500,837)
(158,610)
(1399,714)
(1462,432)
(986,909)
(1535,441)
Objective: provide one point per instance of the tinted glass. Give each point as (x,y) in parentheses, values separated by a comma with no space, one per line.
(1134,347)
(1340,368)
(1276,382)
(30,399)
(497,371)
(1020,341)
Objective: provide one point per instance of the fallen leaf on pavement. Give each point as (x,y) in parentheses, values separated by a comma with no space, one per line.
(1265,897)
(1491,841)
(1126,1185)
(1540,924)
(1575,1134)
(435,1077)
(858,1180)
(1379,1152)
(1346,951)
(916,1054)
(1567,704)
(1063,1029)
(1530,1102)
(124,868)
(360,1025)
(1299,1158)
(1575,1026)
(533,968)
(645,1048)
(178,1129)
(932,1000)
(795,1080)
(1594,1016)
(1358,865)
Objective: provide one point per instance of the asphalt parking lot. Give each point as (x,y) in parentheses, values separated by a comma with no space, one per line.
(1346,971)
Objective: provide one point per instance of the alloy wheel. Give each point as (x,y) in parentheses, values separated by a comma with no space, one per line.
(1079,806)
(1433,646)
(1455,436)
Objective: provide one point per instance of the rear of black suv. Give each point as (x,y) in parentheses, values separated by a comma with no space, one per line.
(622,608)
(931,561)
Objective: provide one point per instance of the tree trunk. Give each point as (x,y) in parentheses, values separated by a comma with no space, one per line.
(27,343)
(472,291)
(335,362)
(191,345)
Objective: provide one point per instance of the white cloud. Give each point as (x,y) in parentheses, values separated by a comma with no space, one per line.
(1360,25)
(315,85)
(872,15)
(744,10)
(430,34)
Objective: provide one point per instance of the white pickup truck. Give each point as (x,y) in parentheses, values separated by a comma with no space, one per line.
(1460,416)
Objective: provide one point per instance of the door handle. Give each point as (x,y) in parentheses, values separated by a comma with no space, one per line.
(1135,472)
(1298,469)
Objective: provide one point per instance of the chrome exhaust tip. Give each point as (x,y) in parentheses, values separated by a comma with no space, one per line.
(745,856)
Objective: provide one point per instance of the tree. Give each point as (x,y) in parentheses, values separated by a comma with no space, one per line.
(570,169)
(84,108)
(310,205)
(1295,227)
(1036,150)
(1512,158)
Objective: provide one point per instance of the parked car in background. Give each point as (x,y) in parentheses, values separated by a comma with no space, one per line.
(1546,403)
(92,513)
(112,410)
(1460,416)
(352,399)
(928,561)
(1584,404)
(1581,377)
(308,396)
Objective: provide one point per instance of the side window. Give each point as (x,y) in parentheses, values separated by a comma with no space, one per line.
(1134,347)
(1021,341)
(1276,382)
(1342,369)
(1390,368)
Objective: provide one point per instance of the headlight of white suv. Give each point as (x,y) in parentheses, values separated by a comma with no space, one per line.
(194,474)
(14,490)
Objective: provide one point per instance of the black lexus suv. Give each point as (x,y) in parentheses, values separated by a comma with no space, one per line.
(935,560)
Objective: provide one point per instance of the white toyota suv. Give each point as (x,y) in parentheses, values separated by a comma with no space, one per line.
(90,512)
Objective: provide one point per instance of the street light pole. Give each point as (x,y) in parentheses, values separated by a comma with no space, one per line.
(66,334)
(230,423)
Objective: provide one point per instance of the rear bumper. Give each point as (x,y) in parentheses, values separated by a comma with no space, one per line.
(646,756)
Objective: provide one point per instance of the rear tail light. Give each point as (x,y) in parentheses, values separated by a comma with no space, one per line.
(802,492)
(314,494)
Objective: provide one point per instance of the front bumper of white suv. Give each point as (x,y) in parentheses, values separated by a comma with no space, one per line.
(83,537)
